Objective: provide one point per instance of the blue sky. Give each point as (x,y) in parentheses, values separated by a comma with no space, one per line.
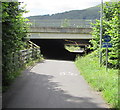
(42,7)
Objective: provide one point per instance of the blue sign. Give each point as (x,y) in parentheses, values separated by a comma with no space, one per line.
(107,38)
(106,45)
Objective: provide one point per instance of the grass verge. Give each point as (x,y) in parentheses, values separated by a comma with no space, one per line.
(72,48)
(98,78)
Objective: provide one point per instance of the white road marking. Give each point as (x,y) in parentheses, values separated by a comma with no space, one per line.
(68,73)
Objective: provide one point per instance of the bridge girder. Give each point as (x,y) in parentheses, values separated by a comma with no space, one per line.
(59,33)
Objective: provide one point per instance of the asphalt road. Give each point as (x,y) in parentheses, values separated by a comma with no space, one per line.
(52,84)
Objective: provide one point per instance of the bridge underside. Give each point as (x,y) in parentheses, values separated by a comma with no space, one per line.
(54,48)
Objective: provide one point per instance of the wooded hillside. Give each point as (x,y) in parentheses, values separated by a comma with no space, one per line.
(89,13)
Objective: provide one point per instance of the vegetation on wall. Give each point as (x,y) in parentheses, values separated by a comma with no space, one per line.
(111,26)
(14,31)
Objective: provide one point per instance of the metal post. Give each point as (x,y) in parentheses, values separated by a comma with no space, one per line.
(101,15)
(107,58)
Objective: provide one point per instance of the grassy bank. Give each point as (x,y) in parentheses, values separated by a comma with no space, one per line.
(72,48)
(98,78)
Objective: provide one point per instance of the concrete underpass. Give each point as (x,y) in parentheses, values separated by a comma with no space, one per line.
(54,49)
(52,40)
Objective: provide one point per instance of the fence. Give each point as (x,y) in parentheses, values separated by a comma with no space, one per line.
(76,23)
(22,57)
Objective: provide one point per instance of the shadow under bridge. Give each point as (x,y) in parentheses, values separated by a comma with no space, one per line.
(55,48)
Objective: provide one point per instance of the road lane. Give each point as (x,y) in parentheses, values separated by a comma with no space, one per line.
(52,84)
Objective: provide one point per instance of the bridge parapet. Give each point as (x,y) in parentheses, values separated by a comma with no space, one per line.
(76,23)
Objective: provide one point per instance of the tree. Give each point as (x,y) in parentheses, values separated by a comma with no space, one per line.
(14,31)
(65,23)
(111,26)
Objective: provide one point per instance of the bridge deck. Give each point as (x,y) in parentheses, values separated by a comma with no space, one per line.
(59,36)
(59,33)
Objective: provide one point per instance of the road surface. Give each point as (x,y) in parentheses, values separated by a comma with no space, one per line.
(52,84)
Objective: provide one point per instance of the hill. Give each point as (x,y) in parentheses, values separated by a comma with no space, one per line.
(89,13)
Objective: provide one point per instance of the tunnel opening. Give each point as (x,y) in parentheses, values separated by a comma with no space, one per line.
(55,49)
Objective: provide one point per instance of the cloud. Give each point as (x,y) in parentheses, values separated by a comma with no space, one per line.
(42,7)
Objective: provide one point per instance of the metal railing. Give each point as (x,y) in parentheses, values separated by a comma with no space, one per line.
(76,23)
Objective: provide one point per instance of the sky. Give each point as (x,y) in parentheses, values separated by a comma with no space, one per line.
(43,7)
